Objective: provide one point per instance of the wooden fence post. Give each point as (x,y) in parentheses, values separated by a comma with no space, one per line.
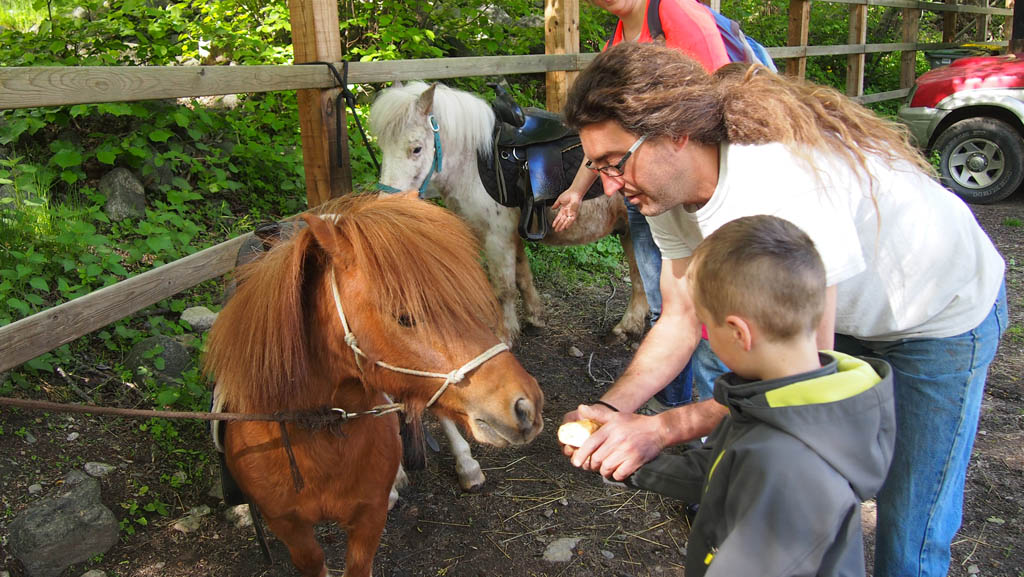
(799,23)
(981,23)
(316,37)
(855,62)
(949,24)
(908,59)
(561,36)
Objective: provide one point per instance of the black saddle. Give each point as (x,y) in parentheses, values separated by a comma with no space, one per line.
(535,158)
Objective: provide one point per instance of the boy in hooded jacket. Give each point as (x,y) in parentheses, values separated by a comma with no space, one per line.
(809,434)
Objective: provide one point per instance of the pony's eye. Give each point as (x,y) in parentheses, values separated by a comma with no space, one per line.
(417,150)
(406,320)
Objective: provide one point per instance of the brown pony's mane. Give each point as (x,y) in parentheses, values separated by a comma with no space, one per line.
(420,260)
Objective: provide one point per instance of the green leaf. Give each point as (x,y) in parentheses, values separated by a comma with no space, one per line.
(106,155)
(41,364)
(39,283)
(69,176)
(67,158)
(115,108)
(158,243)
(180,118)
(19,305)
(160,135)
(167,397)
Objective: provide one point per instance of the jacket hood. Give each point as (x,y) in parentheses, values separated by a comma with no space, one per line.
(844,412)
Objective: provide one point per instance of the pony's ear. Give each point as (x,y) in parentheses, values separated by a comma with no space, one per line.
(397,84)
(326,235)
(425,103)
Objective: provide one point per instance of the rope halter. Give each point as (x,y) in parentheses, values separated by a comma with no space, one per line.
(453,377)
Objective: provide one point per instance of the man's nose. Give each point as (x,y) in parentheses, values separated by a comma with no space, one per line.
(611,184)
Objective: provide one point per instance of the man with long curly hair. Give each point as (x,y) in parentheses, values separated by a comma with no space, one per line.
(911,277)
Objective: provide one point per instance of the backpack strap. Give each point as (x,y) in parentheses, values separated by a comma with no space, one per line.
(653,23)
(654,19)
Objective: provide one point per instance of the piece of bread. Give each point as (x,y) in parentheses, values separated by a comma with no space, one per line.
(574,433)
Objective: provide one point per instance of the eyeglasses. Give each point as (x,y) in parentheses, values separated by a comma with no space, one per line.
(615,170)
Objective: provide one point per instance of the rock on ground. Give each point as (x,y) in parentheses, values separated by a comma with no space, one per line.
(68,528)
(126,197)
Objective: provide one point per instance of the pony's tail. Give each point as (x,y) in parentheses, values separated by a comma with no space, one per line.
(414,443)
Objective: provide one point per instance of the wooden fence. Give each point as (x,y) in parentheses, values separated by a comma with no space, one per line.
(316,37)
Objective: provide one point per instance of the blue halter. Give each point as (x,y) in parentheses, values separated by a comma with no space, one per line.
(435,166)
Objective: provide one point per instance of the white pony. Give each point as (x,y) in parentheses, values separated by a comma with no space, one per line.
(400,119)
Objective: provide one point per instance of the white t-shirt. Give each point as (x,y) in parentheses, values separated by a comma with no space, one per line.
(916,265)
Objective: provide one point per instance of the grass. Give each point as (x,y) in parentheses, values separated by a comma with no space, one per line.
(1014,222)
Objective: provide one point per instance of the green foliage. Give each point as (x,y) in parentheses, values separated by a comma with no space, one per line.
(1012,222)
(577,264)
(136,510)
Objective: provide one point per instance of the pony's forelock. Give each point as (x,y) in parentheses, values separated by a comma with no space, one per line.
(430,272)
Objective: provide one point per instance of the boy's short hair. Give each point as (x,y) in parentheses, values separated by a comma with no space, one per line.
(762,268)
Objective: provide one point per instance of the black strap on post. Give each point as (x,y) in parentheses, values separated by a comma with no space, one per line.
(350,99)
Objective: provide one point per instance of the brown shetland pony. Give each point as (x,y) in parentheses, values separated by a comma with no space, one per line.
(414,296)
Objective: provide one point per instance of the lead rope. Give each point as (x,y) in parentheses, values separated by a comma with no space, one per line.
(453,377)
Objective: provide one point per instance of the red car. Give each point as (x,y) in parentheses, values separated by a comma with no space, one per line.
(972,113)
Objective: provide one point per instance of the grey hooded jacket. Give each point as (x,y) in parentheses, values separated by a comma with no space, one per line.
(781,479)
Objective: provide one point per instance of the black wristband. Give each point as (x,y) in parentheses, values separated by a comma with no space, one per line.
(609,405)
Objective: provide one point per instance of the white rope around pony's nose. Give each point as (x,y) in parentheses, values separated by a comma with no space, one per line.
(450,378)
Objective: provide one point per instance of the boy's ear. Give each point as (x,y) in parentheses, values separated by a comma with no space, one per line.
(741,332)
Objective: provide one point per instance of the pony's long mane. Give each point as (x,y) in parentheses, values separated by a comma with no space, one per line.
(418,259)
(467,121)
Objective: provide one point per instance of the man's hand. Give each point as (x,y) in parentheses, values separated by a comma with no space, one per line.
(624,442)
(568,206)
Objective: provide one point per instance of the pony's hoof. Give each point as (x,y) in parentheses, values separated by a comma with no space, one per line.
(536,323)
(471,479)
(615,338)
(533,330)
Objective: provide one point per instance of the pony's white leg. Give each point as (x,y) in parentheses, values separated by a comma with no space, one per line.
(524,281)
(501,268)
(401,481)
(471,478)
(632,322)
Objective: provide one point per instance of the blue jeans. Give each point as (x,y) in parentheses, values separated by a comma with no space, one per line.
(648,259)
(938,385)
(706,368)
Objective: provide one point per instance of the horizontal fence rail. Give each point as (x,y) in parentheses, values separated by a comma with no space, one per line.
(27,87)
(42,332)
(929,6)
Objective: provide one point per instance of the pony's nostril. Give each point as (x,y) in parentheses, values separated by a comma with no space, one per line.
(524,414)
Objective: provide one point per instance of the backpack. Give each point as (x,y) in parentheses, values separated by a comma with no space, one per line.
(738,46)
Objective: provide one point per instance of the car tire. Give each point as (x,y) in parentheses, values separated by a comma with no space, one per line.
(981,159)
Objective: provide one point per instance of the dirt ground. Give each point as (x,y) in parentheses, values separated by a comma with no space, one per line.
(532,496)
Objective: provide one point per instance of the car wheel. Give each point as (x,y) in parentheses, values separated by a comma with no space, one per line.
(981,159)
